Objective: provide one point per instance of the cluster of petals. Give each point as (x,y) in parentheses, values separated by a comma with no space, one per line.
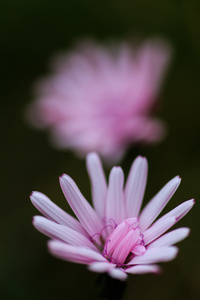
(102,98)
(115,235)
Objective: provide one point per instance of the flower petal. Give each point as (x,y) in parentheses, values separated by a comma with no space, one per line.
(155,255)
(156,205)
(74,254)
(170,238)
(118,273)
(157,229)
(63,233)
(82,209)
(115,237)
(125,245)
(178,212)
(135,186)
(98,183)
(53,212)
(138,250)
(115,199)
(101,267)
(143,269)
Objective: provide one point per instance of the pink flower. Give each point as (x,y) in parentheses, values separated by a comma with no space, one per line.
(114,236)
(101,99)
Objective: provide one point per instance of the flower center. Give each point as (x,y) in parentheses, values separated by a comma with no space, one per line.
(124,242)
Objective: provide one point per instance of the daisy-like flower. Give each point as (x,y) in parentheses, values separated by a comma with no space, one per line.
(115,236)
(102,99)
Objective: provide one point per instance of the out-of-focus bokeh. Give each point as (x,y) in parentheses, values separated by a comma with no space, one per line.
(30,33)
(101,97)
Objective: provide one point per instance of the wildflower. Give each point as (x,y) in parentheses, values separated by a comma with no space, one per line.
(114,236)
(102,99)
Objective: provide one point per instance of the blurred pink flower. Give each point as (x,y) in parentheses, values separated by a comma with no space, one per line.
(114,236)
(102,99)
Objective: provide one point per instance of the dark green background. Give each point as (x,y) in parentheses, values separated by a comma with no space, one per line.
(30,32)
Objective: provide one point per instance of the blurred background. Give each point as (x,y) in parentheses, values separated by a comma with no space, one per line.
(30,33)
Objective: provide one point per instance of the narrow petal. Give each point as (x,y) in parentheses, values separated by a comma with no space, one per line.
(55,213)
(82,209)
(118,273)
(115,237)
(98,183)
(156,205)
(115,199)
(101,267)
(74,254)
(158,229)
(178,212)
(61,232)
(170,238)
(138,250)
(155,255)
(143,269)
(124,247)
(135,186)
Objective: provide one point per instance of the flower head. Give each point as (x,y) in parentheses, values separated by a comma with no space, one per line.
(102,99)
(115,236)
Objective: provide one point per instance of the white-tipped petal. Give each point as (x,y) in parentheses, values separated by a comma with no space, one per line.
(82,209)
(115,198)
(101,267)
(74,254)
(155,255)
(98,183)
(143,269)
(118,273)
(61,232)
(135,186)
(157,229)
(170,238)
(55,213)
(156,205)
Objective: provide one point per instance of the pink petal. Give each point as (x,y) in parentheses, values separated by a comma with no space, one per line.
(55,213)
(74,254)
(115,199)
(118,273)
(157,229)
(138,250)
(61,232)
(115,237)
(178,212)
(126,244)
(156,205)
(143,269)
(155,255)
(135,186)
(98,183)
(82,209)
(170,238)
(101,267)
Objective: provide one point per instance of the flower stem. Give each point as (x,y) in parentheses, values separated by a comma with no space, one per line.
(109,288)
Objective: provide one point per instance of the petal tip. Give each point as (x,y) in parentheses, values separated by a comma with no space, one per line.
(188,231)
(178,178)
(61,176)
(92,155)
(158,271)
(141,158)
